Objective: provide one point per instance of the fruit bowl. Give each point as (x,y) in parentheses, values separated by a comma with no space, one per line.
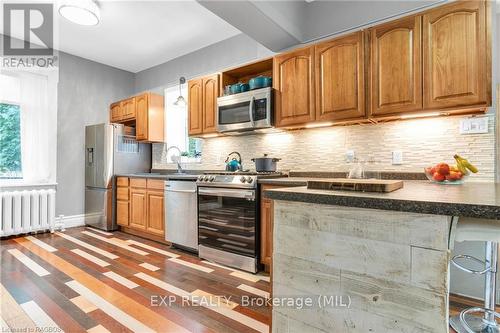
(443,174)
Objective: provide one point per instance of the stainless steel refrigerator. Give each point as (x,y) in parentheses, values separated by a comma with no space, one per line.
(108,152)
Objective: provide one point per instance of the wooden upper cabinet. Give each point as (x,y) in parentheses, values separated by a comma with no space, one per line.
(149,117)
(293,81)
(115,112)
(396,67)
(210,92)
(141,124)
(455,55)
(340,83)
(128,108)
(195,106)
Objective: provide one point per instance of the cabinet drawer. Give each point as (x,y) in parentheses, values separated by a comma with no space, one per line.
(138,182)
(122,181)
(122,193)
(156,184)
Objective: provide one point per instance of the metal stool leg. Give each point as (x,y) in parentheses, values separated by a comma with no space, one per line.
(466,322)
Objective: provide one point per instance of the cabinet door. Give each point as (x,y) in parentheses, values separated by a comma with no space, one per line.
(122,210)
(138,208)
(340,83)
(455,51)
(116,112)
(266,231)
(141,124)
(396,67)
(195,106)
(128,108)
(210,94)
(155,216)
(294,87)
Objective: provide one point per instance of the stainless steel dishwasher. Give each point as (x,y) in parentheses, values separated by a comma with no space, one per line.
(181,214)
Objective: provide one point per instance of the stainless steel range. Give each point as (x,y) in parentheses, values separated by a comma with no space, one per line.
(228,218)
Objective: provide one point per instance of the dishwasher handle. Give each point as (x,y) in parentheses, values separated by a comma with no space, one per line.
(181,191)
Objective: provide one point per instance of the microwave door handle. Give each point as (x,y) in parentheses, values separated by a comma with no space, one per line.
(252,106)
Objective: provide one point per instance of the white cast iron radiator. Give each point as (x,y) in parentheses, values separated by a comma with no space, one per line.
(27,211)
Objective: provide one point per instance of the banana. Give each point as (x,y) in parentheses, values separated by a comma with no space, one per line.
(464,163)
(462,168)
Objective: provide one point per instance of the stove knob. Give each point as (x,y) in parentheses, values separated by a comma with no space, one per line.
(212,178)
(200,178)
(206,178)
(249,180)
(243,179)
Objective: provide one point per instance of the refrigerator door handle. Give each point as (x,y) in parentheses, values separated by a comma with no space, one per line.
(90,155)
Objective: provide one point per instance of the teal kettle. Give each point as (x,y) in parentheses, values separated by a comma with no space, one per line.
(233,163)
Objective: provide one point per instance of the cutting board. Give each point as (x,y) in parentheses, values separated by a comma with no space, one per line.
(361,185)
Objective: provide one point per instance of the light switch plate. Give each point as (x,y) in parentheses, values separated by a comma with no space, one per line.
(474,125)
(350,155)
(397,157)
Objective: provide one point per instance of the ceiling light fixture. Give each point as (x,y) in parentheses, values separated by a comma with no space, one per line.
(82,12)
(181,101)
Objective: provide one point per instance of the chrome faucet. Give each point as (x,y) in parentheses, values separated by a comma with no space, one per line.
(177,160)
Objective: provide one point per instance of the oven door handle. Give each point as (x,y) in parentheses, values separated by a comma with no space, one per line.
(230,193)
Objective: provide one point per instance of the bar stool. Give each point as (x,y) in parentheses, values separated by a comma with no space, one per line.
(471,229)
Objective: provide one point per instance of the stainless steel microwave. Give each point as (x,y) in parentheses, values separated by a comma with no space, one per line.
(245,111)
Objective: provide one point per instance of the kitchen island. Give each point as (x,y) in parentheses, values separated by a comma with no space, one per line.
(371,262)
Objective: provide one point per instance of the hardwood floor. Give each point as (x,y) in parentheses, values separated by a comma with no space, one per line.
(84,280)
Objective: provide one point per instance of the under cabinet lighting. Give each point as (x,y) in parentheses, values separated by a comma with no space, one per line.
(207,136)
(319,125)
(422,115)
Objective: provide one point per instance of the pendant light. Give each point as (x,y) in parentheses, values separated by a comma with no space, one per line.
(82,12)
(181,101)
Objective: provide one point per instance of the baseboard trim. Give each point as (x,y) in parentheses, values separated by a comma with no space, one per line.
(73,221)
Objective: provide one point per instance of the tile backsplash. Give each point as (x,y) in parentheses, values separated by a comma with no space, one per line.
(423,142)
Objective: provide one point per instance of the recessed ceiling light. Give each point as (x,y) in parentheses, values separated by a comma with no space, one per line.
(83,12)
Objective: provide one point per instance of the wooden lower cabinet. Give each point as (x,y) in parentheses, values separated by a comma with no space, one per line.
(122,201)
(266,231)
(266,227)
(155,216)
(140,206)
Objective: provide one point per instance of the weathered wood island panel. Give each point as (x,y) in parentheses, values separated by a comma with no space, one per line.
(392,265)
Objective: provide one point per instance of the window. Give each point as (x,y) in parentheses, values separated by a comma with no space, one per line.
(10,127)
(10,141)
(28,127)
(176,121)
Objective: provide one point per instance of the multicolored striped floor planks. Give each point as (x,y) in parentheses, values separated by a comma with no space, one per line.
(83,280)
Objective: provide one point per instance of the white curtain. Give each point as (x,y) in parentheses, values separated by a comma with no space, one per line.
(38,104)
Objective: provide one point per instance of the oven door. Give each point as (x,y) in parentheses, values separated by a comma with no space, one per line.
(227,220)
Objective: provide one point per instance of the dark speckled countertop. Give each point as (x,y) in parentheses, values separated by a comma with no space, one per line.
(481,200)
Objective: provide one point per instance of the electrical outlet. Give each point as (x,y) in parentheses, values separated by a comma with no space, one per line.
(349,156)
(397,157)
(474,125)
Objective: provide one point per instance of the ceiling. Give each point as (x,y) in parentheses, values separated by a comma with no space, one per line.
(136,35)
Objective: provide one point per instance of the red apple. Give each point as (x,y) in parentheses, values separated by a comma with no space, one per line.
(443,169)
(438,177)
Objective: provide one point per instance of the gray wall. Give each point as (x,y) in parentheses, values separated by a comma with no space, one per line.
(227,53)
(85,90)
(323,18)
